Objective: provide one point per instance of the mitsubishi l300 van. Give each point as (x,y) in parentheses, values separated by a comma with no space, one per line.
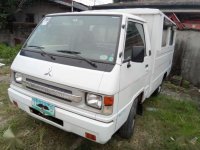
(89,72)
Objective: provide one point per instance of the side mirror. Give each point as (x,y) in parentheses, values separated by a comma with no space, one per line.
(137,54)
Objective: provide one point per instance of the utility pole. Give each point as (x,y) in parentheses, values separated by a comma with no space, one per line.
(94,2)
(72,6)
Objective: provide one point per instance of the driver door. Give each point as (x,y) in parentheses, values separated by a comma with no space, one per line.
(133,74)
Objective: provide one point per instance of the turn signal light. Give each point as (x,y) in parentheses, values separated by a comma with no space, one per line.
(108,100)
(90,136)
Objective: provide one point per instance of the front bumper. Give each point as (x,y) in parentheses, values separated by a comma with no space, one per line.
(71,122)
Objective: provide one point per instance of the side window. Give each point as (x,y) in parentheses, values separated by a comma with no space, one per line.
(168,33)
(171,42)
(164,36)
(135,42)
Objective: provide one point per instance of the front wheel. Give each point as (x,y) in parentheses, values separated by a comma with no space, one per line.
(126,131)
(158,90)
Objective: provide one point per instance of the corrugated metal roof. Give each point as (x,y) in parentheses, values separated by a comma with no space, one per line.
(153,4)
(68,3)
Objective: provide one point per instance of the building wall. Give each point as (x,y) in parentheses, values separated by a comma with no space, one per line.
(187,56)
(22,28)
(39,9)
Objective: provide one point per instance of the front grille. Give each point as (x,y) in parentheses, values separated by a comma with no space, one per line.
(51,89)
(48,94)
(49,86)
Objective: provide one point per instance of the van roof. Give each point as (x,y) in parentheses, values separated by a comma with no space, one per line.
(133,11)
(137,11)
(125,12)
(98,12)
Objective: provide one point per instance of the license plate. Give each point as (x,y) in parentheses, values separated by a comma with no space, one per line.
(43,107)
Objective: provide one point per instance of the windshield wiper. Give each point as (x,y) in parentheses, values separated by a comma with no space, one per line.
(43,52)
(77,54)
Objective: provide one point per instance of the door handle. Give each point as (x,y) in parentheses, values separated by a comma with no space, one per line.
(149,52)
(146,66)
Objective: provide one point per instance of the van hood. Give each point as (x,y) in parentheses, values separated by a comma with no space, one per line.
(76,77)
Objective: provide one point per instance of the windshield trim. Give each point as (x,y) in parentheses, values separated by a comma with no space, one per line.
(68,56)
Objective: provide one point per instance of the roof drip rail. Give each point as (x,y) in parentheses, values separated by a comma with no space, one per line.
(167,23)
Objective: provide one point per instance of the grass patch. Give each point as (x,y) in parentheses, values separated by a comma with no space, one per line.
(172,125)
(33,133)
(8,53)
(174,87)
(5,70)
(179,120)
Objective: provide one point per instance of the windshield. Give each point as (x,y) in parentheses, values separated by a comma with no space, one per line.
(92,37)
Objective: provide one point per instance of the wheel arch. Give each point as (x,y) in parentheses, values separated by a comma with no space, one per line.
(140,102)
(165,76)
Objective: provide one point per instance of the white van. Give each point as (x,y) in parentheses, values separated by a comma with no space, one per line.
(89,72)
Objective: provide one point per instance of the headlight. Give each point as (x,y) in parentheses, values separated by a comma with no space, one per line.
(94,101)
(18,77)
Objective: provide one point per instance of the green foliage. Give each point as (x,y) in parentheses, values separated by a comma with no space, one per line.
(177,119)
(186,84)
(2,20)
(7,8)
(8,53)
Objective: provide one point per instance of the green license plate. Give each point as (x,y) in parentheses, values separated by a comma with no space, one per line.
(43,107)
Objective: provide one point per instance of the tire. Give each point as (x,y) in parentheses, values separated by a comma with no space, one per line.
(158,90)
(127,129)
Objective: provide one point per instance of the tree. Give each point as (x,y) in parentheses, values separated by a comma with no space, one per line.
(7,8)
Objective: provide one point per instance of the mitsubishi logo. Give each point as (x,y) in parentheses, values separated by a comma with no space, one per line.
(49,73)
